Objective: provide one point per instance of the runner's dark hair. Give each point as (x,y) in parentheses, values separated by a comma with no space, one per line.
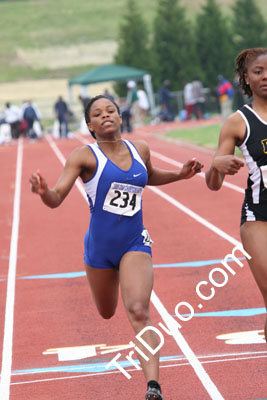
(242,61)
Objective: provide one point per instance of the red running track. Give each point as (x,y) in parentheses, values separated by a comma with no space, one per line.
(60,347)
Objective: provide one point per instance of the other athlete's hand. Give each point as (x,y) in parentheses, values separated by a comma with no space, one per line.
(228,164)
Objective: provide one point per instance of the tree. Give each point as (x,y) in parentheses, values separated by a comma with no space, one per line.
(173,47)
(214,44)
(248,25)
(133,49)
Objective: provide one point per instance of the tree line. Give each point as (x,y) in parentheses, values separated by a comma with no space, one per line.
(181,50)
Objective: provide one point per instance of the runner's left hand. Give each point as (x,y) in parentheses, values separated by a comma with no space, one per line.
(190,168)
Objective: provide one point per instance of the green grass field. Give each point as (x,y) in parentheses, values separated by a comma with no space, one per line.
(202,136)
(41,24)
(37,25)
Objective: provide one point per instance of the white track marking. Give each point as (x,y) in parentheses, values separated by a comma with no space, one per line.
(63,160)
(195,216)
(172,325)
(209,358)
(10,297)
(86,375)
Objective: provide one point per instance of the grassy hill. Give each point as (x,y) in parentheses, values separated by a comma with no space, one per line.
(47,38)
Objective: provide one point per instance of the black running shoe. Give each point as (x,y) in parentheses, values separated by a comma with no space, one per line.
(153,391)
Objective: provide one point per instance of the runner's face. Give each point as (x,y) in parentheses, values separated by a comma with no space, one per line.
(104,117)
(256,76)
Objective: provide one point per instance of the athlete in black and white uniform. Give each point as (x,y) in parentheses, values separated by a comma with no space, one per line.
(254,149)
(247,129)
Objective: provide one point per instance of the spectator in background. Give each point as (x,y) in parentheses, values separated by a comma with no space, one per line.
(30,113)
(125,116)
(62,114)
(165,96)
(12,116)
(108,94)
(84,100)
(143,103)
(225,94)
(199,98)
(189,100)
(132,101)
(238,99)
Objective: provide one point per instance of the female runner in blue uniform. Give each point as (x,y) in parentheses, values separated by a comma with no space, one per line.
(117,246)
(247,129)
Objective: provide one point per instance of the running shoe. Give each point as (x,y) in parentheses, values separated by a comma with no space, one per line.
(153,391)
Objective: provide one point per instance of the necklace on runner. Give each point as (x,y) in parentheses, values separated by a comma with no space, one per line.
(108,141)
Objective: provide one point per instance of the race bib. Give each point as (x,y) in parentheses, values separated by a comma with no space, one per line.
(264,175)
(123,199)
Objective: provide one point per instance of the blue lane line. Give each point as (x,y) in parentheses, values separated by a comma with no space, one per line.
(230,313)
(176,265)
(194,263)
(97,367)
(55,276)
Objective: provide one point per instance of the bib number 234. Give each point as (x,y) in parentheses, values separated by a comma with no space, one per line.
(123,199)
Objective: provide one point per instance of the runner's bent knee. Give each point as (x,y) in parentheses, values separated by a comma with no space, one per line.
(138,312)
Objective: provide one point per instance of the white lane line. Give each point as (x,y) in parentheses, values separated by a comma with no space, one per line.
(10,297)
(212,358)
(170,322)
(173,327)
(131,370)
(179,364)
(62,159)
(195,216)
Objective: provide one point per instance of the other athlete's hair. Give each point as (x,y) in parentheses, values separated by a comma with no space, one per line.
(241,63)
(89,105)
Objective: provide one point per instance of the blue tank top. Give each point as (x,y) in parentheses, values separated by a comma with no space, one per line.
(115,198)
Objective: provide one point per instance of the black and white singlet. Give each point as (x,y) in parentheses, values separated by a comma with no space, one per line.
(254,149)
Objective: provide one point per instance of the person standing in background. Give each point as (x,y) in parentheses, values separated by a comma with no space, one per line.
(143,103)
(108,94)
(30,113)
(199,98)
(189,100)
(132,101)
(225,94)
(62,115)
(165,96)
(238,98)
(84,100)
(12,116)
